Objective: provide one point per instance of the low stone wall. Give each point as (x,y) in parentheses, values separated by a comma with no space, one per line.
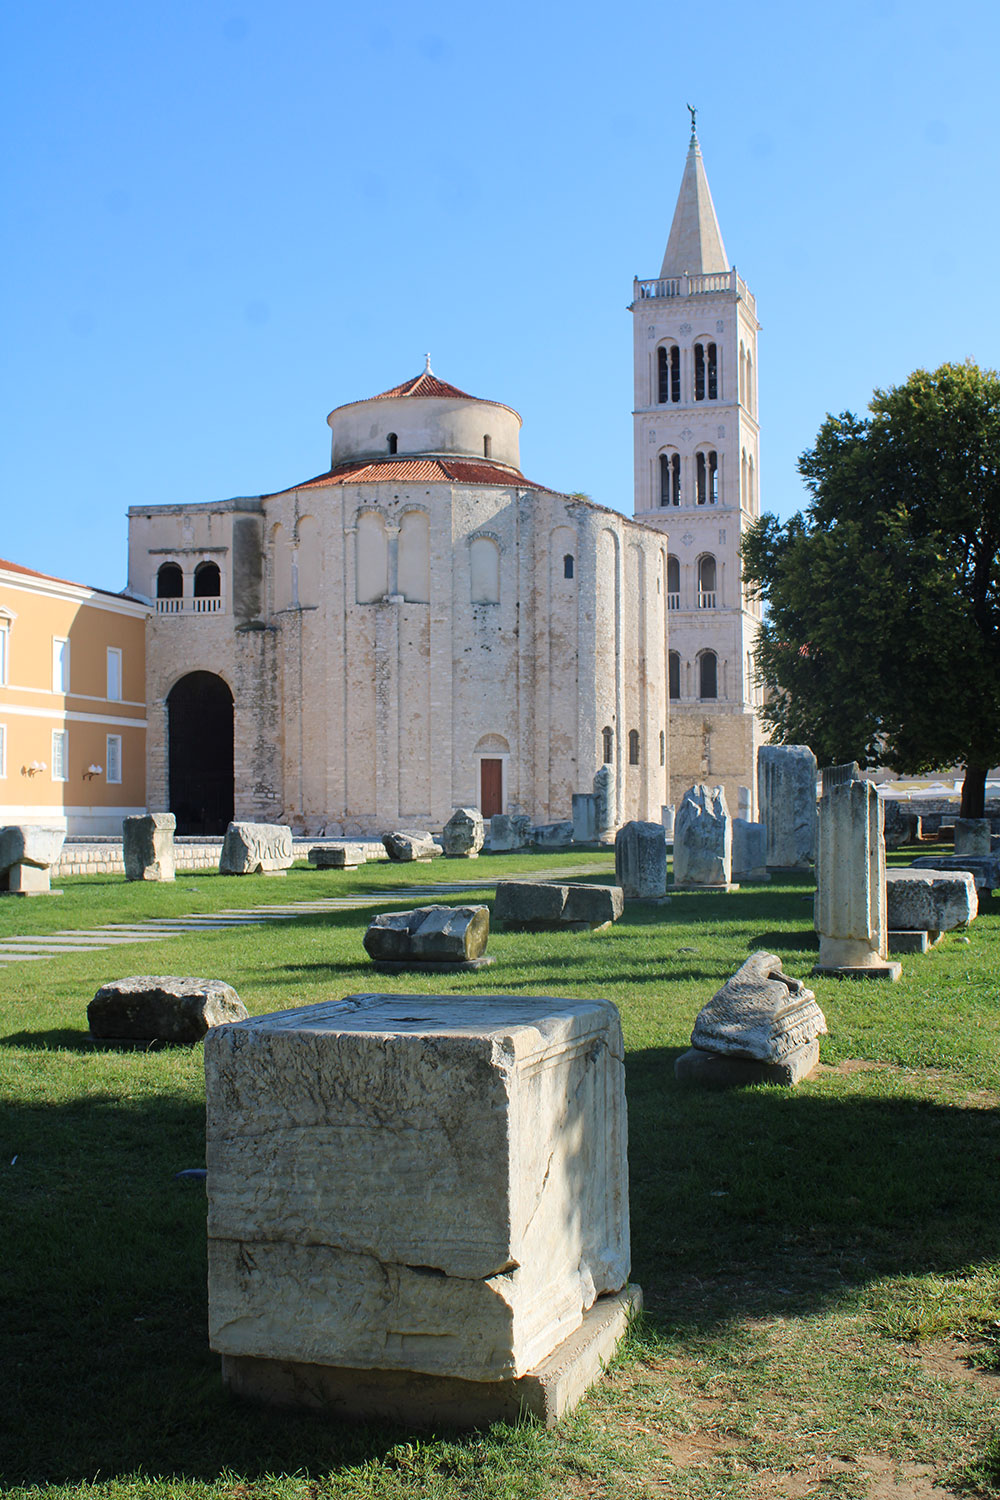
(96,856)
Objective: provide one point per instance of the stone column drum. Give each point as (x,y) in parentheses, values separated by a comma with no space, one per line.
(703,839)
(850,901)
(606,812)
(641,861)
(148,846)
(425,1184)
(786,800)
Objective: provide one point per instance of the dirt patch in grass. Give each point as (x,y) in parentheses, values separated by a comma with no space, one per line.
(950,1359)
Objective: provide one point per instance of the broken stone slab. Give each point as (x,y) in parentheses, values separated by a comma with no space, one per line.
(256,849)
(984,869)
(641,861)
(703,839)
(930,900)
(509,831)
(972,836)
(413,1182)
(850,903)
(552,835)
(27,853)
(407,1398)
(762,1026)
(148,846)
(899,825)
(162,1008)
(447,936)
(786,799)
(540,905)
(749,850)
(403,846)
(464,834)
(336,856)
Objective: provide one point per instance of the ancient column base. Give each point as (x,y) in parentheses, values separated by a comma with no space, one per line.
(720,1070)
(853,958)
(413,1399)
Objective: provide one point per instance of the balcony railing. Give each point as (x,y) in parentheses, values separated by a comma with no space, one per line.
(210,605)
(696,286)
(706,598)
(673,601)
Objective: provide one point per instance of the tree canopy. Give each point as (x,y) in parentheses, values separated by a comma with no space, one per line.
(882,637)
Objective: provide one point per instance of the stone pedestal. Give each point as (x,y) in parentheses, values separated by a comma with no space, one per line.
(703,840)
(148,846)
(584,818)
(749,851)
(972,837)
(27,854)
(414,1183)
(850,906)
(786,801)
(641,861)
(607,809)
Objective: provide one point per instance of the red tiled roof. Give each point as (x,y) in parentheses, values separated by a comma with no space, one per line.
(14,567)
(419,471)
(424,384)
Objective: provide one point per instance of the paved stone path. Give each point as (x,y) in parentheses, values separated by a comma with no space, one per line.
(93,939)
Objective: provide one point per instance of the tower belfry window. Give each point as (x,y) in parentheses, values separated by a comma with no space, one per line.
(707,477)
(670,479)
(668,374)
(706,372)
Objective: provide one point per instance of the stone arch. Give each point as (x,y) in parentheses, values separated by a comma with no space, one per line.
(200,779)
(484,570)
(372,558)
(307,562)
(414,561)
(708,675)
(207,580)
(170,581)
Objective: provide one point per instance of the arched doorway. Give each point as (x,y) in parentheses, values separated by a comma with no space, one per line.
(200,753)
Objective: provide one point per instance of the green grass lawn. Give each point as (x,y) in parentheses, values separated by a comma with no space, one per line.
(821,1266)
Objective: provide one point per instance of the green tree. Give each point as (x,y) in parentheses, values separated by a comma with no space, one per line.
(882,636)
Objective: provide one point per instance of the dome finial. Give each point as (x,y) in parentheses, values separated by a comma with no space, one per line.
(693,112)
(427,367)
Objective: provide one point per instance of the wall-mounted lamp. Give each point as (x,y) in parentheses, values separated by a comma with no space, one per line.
(36,767)
(91,772)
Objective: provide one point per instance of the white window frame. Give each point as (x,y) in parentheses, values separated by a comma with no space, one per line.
(4,651)
(3,752)
(114,674)
(60,664)
(60,738)
(110,757)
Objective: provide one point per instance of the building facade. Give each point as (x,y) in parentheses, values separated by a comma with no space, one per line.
(72,703)
(696,477)
(418,628)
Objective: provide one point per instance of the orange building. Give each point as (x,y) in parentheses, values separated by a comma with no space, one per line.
(72,703)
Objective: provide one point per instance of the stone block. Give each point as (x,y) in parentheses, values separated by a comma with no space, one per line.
(552,835)
(584,818)
(972,836)
(27,853)
(414,1182)
(719,1070)
(786,799)
(403,846)
(162,1008)
(849,909)
(148,846)
(667,814)
(984,869)
(509,831)
(593,906)
(749,850)
(26,880)
(898,824)
(336,856)
(464,834)
(256,849)
(912,942)
(641,861)
(930,900)
(539,905)
(759,1013)
(703,839)
(429,935)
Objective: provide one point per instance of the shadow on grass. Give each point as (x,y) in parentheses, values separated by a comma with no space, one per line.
(743,1203)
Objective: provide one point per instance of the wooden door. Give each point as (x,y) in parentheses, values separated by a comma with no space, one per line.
(490,787)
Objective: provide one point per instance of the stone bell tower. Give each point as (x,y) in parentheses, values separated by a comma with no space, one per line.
(696,477)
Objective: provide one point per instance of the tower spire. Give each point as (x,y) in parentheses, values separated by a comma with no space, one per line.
(695,242)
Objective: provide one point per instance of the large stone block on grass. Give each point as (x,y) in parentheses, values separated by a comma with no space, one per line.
(538,905)
(786,797)
(464,835)
(762,1026)
(415,1182)
(162,1008)
(404,847)
(256,849)
(429,935)
(148,846)
(930,900)
(749,850)
(641,860)
(509,831)
(336,856)
(984,869)
(27,853)
(703,838)
(552,835)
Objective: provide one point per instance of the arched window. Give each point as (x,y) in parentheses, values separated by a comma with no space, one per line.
(207,581)
(413,568)
(708,675)
(633,747)
(169,581)
(372,554)
(484,570)
(668,374)
(707,477)
(673,583)
(751,489)
(487,446)
(392,442)
(743,374)
(706,582)
(750,401)
(670,479)
(674,675)
(608,736)
(706,372)
(663,747)
(568,565)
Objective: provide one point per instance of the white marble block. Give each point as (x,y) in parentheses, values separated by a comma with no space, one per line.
(786,798)
(425,1183)
(703,838)
(256,849)
(641,860)
(850,906)
(148,846)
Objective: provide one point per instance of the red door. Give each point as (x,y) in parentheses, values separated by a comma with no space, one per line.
(490,787)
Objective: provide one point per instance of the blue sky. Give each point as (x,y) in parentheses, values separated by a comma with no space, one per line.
(226,219)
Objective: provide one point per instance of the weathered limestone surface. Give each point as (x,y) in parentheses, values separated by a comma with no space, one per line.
(972,836)
(426,1183)
(148,846)
(404,847)
(162,1008)
(667,819)
(703,838)
(27,853)
(786,798)
(641,861)
(749,850)
(930,900)
(540,904)
(584,818)
(509,831)
(337,856)
(898,824)
(984,869)
(759,1013)
(431,934)
(464,834)
(256,849)
(607,810)
(744,801)
(552,835)
(850,914)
